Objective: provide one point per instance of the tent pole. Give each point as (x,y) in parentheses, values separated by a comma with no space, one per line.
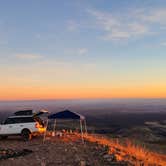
(81,131)
(45,132)
(85,127)
(54,125)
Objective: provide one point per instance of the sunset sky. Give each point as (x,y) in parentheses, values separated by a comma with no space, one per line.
(51,49)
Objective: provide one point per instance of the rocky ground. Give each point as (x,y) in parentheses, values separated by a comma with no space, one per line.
(55,152)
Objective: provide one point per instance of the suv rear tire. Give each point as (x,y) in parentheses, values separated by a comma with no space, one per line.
(26,135)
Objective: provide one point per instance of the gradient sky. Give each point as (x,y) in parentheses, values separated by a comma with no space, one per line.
(82,49)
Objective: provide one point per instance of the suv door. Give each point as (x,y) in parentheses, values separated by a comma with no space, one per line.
(23,122)
(8,126)
(18,125)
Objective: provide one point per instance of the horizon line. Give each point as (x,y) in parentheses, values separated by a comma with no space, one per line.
(114,98)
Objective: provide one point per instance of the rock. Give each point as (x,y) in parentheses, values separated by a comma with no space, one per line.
(74,148)
(120,164)
(82,163)
(77,159)
(106,156)
(9,153)
(65,150)
(43,163)
(110,157)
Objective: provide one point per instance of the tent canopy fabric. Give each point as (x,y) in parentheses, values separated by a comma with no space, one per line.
(66,114)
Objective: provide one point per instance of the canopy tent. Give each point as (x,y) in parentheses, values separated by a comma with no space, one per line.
(67,114)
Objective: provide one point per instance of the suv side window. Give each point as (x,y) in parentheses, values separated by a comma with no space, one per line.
(9,121)
(24,120)
(27,120)
(19,120)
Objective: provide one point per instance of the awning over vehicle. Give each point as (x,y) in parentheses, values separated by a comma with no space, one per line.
(66,114)
(41,112)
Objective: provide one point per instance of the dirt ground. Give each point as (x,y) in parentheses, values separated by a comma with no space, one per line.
(54,152)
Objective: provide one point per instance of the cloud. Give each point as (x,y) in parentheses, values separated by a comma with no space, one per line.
(163,44)
(82,51)
(72,25)
(116,34)
(28,56)
(118,27)
(154,16)
(76,51)
(135,23)
(138,28)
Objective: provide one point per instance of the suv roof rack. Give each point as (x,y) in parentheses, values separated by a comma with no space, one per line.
(23,112)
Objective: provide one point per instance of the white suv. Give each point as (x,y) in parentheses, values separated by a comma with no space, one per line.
(23,125)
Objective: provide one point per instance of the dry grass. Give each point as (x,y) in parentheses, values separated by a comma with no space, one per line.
(135,154)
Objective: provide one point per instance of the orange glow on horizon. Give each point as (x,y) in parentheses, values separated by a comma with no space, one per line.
(30,93)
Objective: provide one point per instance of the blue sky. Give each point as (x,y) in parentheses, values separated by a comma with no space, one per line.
(79,43)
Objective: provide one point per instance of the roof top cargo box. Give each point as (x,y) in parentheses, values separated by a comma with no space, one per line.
(24,112)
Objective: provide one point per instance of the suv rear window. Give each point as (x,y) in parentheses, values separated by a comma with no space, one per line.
(19,120)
